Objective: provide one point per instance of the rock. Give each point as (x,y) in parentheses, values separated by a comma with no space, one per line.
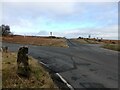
(22,61)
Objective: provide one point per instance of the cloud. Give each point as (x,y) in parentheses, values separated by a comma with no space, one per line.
(32,11)
(60,0)
(69,19)
(60,10)
(105,32)
(43,33)
(40,7)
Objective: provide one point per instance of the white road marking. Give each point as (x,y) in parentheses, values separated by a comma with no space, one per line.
(68,85)
(65,81)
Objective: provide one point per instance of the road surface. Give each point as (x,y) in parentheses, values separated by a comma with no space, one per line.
(81,65)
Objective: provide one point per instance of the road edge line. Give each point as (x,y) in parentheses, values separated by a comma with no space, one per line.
(62,79)
(68,85)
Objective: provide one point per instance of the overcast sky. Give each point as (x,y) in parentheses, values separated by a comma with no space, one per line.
(66,19)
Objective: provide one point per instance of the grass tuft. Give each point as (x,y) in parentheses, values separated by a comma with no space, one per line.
(115,47)
(39,77)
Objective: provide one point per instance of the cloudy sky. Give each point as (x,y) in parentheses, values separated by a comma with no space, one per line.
(66,19)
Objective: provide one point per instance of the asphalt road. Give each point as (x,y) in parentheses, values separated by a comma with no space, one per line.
(81,65)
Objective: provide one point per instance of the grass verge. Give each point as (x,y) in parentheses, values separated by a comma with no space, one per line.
(115,47)
(41,41)
(81,41)
(85,41)
(39,77)
(92,42)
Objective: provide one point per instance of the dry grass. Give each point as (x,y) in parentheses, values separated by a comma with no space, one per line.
(42,41)
(92,41)
(85,41)
(115,47)
(81,41)
(108,44)
(39,78)
(0,39)
(111,41)
(0,70)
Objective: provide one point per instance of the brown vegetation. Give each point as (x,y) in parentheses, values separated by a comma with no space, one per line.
(42,41)
(115,47)
(39,78)
(95,41)
(111,41)
(108,44)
